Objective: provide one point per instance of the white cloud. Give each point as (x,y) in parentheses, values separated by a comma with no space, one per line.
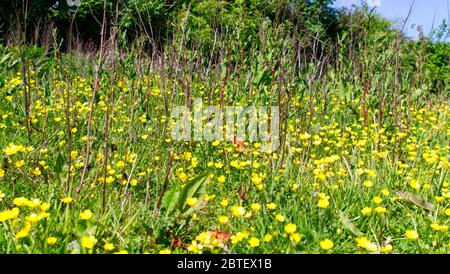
(374,3)
(349,3)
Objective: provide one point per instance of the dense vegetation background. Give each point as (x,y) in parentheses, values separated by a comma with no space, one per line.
(317,31)
(88,163)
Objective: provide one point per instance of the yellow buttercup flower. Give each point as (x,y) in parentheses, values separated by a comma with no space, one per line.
(25,231)
(253,242)
(412,234)
(326,244)
(366,244)
(73,154)
(22,233)
(67,200)
(9,214)
(165,251)
(86,214)
(415,184)
(377,200)
(224,202)
(108,246)
(447,212)
(267,238)
(386,248)
(366,211)
(271,206)
(51,240)
(296,237)
(45,206)
(121,164)
(13,149)
(191,201)
(223,220)
(290,228)
(381,209)
(182,176)
(255,206)
(88,241)
(323,203)
(221,179)
(256,179)
(238,211)
(121,252)
(280,218)
(20,163)
(21,201)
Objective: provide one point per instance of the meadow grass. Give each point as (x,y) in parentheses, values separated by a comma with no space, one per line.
(89,165)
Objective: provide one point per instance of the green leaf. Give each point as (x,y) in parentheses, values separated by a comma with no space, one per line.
(196,187)
(259,77)
(59,164)
(5,58)
(417,200)
(348,224)
(170,199)
(175,198)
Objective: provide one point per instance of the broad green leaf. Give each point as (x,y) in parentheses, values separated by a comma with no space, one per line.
(170,199)
(258,78)
(175,198)
(417,200)
(348,224)
(5,58)
(59,164)
(195,187)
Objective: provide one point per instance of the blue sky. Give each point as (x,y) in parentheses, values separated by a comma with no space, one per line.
(397,10)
